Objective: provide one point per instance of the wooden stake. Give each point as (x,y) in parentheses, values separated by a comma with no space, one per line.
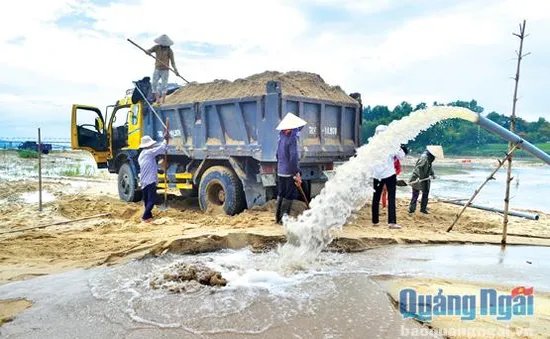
(58,223)
(490,177)
(509,177)
(39,172)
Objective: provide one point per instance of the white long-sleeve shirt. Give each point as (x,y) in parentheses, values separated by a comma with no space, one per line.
(387,169)
(148,164)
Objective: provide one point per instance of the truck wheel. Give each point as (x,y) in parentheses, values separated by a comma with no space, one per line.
(221,190)
(127,184)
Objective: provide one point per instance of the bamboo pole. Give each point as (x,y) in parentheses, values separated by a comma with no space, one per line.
(509,177)
(39,172)
(490,177)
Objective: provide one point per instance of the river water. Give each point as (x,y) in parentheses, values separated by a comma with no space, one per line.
(335,297)
(460,182)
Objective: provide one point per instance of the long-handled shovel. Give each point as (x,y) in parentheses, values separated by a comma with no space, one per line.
(170,68)
(402,183)
(165,206)
(300,189)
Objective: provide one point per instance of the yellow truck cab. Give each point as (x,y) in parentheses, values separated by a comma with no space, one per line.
(111,139)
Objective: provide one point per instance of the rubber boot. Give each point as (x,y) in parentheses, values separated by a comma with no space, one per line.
(424,203)
(279,211)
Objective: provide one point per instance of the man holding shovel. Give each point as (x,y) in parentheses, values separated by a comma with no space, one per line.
(420,178)
(164,56)
(289,179)
(149,172)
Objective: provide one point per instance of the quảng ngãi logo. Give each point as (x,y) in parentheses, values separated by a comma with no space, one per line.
(520,302)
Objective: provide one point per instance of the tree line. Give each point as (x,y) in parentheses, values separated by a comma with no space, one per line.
(457,136)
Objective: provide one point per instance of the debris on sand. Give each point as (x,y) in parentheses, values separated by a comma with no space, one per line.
(303,84)
(182,277)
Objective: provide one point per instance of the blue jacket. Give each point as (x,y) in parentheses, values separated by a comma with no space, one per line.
(287,154)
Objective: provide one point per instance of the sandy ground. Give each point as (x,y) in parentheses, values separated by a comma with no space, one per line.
(536,326)
(184,228)
(120,236)
(11,307)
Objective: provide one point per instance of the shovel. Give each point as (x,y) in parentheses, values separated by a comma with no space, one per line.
(403,183)
(303,195)
(164,207)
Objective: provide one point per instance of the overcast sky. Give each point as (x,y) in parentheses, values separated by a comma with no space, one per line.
(59,52)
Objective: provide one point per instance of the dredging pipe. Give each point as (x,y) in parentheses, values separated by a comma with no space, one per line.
(491,209)
(511,137)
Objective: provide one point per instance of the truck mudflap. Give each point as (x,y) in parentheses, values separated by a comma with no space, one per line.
(254,190)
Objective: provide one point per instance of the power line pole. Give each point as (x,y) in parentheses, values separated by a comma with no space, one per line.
(521,35)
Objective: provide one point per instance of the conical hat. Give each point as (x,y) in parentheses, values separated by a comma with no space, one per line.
(291,121)
(146,141)
(164,40)
(436,151)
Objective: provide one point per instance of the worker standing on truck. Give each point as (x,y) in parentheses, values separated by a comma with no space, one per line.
(288,168)
(420,181)
(385,175)
(149,172)
(164,56)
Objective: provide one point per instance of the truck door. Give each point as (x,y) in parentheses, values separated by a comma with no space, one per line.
(88,133)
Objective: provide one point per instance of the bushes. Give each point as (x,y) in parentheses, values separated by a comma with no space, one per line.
(27,154)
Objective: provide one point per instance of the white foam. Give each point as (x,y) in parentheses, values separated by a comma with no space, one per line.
(351,186)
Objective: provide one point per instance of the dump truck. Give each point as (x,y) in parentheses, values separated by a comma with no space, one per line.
(222,151)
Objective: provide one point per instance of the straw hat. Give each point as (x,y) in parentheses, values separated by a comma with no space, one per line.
(436,151)
(379,129)
(146,141)
(291,121)
(164,40)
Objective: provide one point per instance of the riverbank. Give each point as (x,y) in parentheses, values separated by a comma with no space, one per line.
(183,228)
(118,236)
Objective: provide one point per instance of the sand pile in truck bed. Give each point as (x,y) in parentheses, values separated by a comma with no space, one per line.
(303,84)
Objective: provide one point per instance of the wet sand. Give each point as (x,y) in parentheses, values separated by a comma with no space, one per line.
(11,307)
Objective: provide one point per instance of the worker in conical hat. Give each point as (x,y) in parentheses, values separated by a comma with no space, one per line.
(423,171)
(288,167)
(165,57)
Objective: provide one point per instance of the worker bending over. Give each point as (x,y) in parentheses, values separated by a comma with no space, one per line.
(149,172)
(288,169)
(385,175)
(164,56)
(420,178)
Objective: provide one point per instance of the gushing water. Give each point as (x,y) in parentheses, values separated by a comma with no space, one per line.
(351,186)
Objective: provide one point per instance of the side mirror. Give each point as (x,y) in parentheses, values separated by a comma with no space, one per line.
(98,124)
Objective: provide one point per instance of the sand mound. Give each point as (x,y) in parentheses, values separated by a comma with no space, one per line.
(303,84)
(181,277)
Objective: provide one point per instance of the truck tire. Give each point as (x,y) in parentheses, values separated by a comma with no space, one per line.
(221,190)
(127,184)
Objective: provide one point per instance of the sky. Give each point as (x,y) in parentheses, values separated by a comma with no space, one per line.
(56,53)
